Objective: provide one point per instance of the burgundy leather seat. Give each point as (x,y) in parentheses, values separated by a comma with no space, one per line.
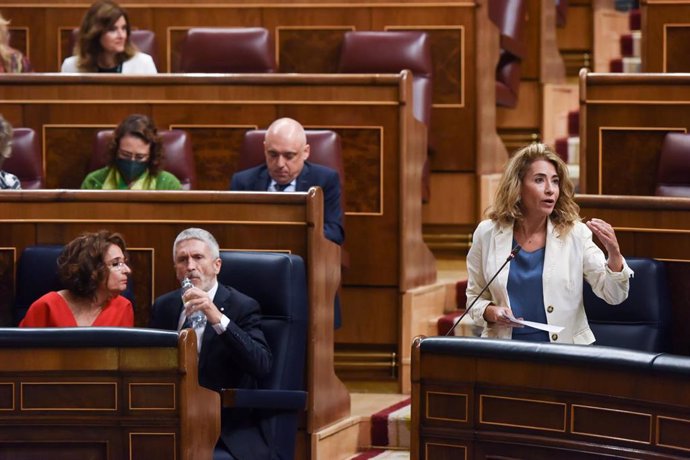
(509,17)
(143,39)
(178,157)
(227,50)
(392,52)
(26,162)
(673,173)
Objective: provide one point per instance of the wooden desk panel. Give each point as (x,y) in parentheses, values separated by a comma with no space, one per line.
(476,405)
(623,120)
(150,221)
(91,402)
(665,35)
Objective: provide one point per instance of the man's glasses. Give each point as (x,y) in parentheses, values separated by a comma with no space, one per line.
(138,157)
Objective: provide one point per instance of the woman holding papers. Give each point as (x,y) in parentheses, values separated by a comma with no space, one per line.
(534,222)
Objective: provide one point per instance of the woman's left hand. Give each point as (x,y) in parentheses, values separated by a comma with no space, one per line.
(605,233)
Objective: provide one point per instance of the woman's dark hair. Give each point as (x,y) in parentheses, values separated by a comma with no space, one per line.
(100,18)
(81,265)
(142,127)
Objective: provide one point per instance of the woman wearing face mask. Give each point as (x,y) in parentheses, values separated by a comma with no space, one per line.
(104,44)
(136,153)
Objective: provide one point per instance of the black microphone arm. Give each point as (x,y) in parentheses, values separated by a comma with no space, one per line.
(510,257)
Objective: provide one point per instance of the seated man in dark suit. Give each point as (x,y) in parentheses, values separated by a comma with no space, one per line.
(233,352)
(287,170)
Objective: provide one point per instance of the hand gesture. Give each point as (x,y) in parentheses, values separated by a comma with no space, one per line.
(605,233)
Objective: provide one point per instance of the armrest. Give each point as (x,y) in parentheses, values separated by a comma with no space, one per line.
(264,399)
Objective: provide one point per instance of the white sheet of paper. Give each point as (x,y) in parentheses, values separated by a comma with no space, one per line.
(540,326)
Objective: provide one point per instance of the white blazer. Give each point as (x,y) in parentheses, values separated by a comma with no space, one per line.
(140,63)
(567,261)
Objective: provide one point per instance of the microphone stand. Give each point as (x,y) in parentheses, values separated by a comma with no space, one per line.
(510,257)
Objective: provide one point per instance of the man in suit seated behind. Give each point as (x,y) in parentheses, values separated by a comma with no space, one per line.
(287,170)
(233,352)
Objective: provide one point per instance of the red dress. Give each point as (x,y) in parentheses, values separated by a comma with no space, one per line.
(51,310)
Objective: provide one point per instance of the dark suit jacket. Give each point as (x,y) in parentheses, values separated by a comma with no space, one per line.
(235,359)
(257,179)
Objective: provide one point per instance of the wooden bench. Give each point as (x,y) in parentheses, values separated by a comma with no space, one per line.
(150,221)
(104,393)
(481,399)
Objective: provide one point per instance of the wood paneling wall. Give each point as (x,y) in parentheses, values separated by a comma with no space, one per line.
(623,120)
(665,35)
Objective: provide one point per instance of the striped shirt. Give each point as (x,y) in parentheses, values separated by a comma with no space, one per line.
(8,180)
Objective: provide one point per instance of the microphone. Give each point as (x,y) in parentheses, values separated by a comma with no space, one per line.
(510,257)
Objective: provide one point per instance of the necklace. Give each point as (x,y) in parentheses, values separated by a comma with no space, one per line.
(528,240)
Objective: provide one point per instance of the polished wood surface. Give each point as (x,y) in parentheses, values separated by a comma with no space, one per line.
(104,403)
(623,120)
(542,64)
(655,227)
(383,150)
(471,405)
(150,221)
(665,35)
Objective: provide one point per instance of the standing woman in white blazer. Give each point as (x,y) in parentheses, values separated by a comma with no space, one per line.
(104,44)
(534,208)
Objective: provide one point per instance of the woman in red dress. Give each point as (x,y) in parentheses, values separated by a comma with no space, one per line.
(94,270)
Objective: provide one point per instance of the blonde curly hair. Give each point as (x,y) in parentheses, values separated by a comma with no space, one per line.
(506,208)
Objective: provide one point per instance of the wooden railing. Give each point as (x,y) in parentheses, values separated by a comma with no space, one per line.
(665,35)
(488,399)
(104,393)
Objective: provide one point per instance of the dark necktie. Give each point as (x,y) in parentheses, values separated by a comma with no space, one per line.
(281,187)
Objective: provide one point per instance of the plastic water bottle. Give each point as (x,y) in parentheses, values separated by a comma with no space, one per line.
(197,319)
